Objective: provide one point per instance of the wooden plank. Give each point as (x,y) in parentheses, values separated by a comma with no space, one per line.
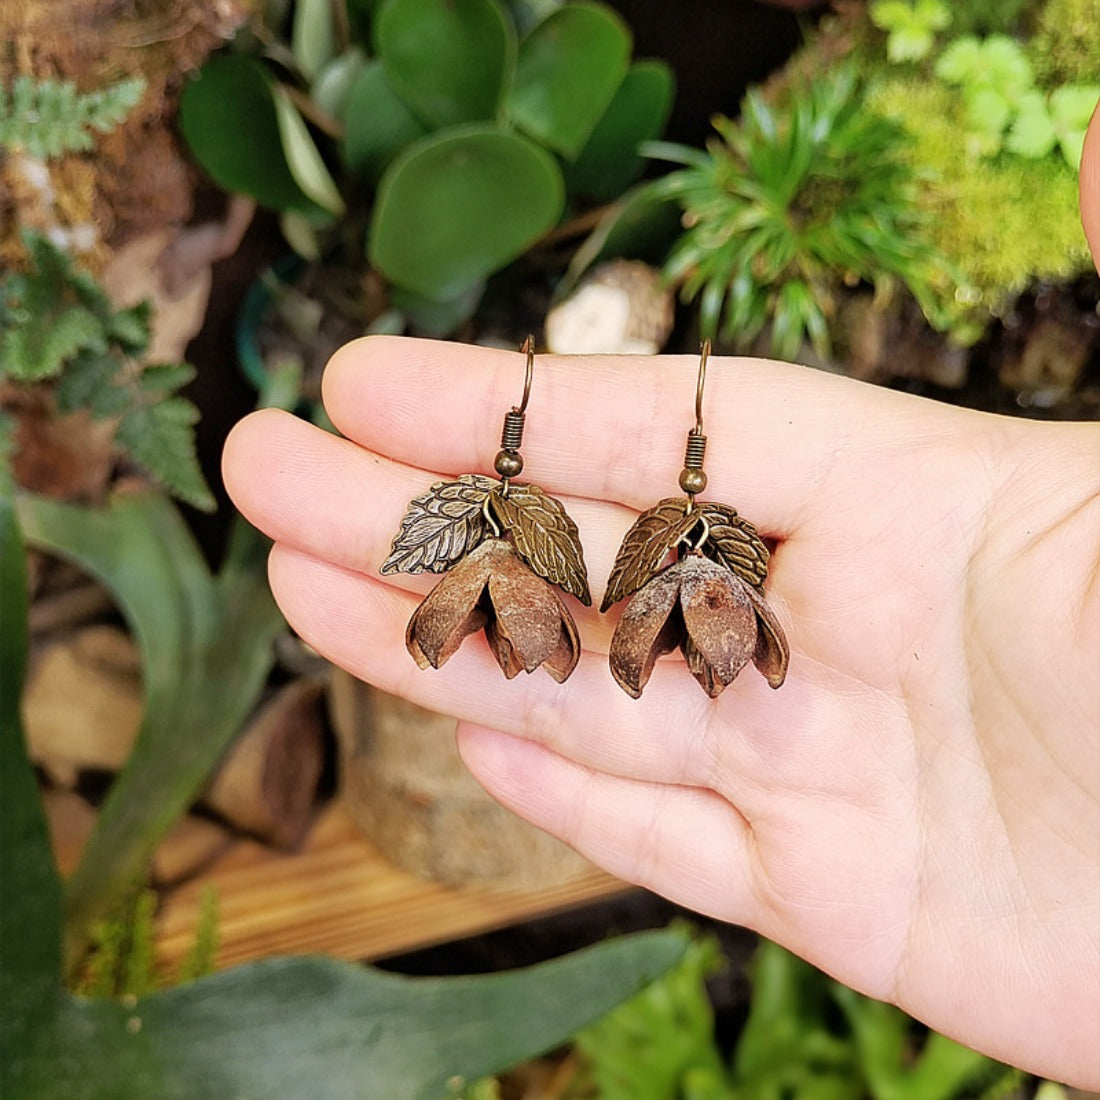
(338,896)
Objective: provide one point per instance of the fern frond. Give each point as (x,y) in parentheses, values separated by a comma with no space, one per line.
(49,118)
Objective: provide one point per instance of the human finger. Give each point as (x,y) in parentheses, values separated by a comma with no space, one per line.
(613,427)
(684,842)
(746,744)
(335,500)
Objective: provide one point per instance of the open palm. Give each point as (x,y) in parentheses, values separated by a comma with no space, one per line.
(916,810)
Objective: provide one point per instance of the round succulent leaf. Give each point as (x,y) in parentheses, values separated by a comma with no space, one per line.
(567,72)
(609,161)
(377,124)
(228,118)
(460,205)
(303,158)
(447,59)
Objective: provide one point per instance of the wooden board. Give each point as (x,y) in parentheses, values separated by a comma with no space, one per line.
(339,896)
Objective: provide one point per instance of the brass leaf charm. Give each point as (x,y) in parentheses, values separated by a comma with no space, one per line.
(441,526)
(734,543)
(544,536)
(655,532)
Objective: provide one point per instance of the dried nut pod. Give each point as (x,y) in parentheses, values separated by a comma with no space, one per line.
(621,307)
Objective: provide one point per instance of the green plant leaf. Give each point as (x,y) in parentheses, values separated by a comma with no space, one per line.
(303,158)
(30,890)
(1071,108)
(161,438)
(960,61)
(987,111)
(332,88)
(205,644)
(228,118)
(332,1031)
(567,72)
(647,1047)
(131,328)
(889,15)
(32,352)
(460,205)
(641,226)
(1033,133)
(312,35)
(610,161)
(50,314)
(447,59)
(436,319)
(377,124)
(166,377)
(48,118)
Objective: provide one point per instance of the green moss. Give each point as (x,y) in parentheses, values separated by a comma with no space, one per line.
(1005,222)
(121,961)
(1065,47)
(986,16)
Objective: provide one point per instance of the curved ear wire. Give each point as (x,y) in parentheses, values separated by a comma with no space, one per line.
(692,478)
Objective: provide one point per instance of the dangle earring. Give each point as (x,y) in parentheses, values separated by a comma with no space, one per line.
(709,601)
(503,546)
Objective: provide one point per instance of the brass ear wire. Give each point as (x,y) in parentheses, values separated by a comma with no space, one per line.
(509,462)
(692,478)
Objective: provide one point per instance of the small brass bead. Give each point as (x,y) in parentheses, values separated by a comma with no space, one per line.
(508,464)
(692,481)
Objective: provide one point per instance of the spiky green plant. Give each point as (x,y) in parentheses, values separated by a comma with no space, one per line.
(795,200)
(48,118)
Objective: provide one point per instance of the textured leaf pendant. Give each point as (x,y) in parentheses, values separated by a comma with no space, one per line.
(709,601)
(504,547)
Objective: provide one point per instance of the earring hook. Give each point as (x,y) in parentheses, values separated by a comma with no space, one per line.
(704,354)
(528,349)
(692,478)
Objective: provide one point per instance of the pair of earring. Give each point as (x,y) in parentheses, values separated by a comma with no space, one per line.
(505,547)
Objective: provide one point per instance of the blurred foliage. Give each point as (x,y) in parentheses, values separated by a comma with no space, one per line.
(911,27)
(121,958)
(49,118)
(1003,108)
(58,327)
(1004,223)
(278,1027)
(806,1038)
(443,137)
(989,16)
(1065,46)
(796,200)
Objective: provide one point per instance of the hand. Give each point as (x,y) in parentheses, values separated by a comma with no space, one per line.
(917,810)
